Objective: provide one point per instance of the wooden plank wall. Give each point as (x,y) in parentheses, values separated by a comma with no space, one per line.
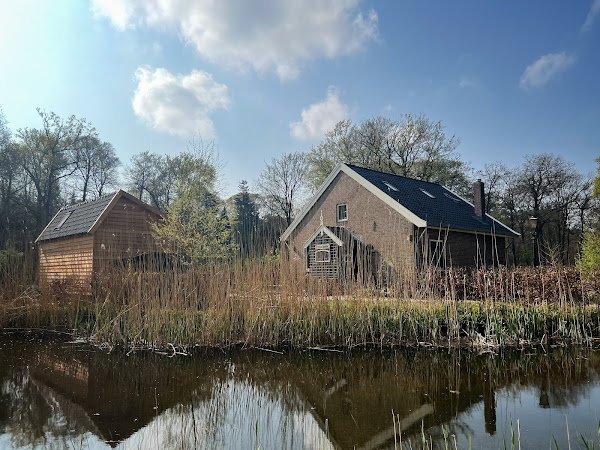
(69,257)
(125,232)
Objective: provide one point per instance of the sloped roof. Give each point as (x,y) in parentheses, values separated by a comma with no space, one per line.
(445,210)
(81,217)
(423,203)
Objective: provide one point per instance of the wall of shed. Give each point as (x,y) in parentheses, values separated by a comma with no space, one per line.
(124,233)
(69,257)
(372,220)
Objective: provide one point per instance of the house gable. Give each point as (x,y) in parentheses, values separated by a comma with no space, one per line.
(323,229)
(371,223)
(343,168)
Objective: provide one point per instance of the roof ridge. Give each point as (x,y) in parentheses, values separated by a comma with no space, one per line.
(75,205)
(395,175)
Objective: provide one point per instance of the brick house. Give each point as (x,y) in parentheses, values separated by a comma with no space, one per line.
(362,222)
(84,238)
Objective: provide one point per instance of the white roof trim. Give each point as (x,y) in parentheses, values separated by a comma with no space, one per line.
(486,214)
(328,232)
(395,204)
(407,214)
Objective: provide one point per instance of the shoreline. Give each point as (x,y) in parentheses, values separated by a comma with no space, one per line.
(330,324)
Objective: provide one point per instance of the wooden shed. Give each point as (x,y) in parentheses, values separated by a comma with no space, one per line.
(87,237)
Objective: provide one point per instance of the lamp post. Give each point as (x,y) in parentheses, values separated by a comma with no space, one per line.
(533,221)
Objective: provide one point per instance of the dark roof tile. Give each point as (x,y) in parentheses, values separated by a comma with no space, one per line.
(444,210)
(79,218)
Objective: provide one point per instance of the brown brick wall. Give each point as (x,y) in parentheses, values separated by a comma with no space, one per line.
(470,249)
(374,222)
(395,239)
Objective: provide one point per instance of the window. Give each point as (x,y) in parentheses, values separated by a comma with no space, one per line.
(63,220)
(454,199)
(390,186)
(427,193)
(342,212)
(437,253)
(322,253)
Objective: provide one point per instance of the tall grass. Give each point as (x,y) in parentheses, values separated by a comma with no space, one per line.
(264,304)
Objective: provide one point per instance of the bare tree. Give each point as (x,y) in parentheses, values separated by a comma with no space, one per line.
(413,146)
(143,174)
(106,175)
(48,155)
(282,185)
(495,176)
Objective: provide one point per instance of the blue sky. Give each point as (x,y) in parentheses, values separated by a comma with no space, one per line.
(266,77)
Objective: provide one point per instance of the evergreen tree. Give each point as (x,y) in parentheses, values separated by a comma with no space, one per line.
(245,221)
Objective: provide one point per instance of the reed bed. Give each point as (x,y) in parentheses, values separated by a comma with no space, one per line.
(267,305)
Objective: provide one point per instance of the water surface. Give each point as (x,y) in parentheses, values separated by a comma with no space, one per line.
(55,394)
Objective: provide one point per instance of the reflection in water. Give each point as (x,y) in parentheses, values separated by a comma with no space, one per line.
(56,395)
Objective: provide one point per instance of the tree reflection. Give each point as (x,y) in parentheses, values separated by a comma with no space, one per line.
(53,395)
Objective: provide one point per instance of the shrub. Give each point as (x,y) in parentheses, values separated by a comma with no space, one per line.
(589,259)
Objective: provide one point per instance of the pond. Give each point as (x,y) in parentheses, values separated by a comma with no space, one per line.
(56,394)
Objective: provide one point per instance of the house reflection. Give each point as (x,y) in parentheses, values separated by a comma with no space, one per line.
(350,397)
(113,396)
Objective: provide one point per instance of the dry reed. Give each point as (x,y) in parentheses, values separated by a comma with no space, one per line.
(263,304)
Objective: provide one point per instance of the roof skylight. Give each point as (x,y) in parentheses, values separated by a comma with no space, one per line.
(428,194)
(63,220)
(390,186)
(454,199)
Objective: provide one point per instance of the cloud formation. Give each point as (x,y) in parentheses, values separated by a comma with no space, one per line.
(178,104)
(541,71)
(589,20)
(265,35)
(319,118)
(466,82)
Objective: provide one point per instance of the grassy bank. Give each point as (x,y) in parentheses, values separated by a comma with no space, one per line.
(265,306)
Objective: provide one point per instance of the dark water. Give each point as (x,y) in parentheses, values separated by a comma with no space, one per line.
(59,395)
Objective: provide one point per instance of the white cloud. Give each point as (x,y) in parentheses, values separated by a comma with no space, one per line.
(541,71)
(466,82)
(589,20)
(178,104)
(319,118)
(119,12)
(265,35)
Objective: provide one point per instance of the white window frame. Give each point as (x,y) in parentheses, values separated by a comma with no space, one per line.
(337,212)
(323,249)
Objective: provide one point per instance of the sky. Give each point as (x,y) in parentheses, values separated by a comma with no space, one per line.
(262,78)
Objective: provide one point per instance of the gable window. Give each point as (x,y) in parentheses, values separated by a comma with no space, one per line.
(437,253)
(322,253)
(342,212)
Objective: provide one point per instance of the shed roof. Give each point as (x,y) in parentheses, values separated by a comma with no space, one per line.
(423,203)
(81,217)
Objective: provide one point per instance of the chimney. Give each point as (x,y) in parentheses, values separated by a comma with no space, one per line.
(479,198)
